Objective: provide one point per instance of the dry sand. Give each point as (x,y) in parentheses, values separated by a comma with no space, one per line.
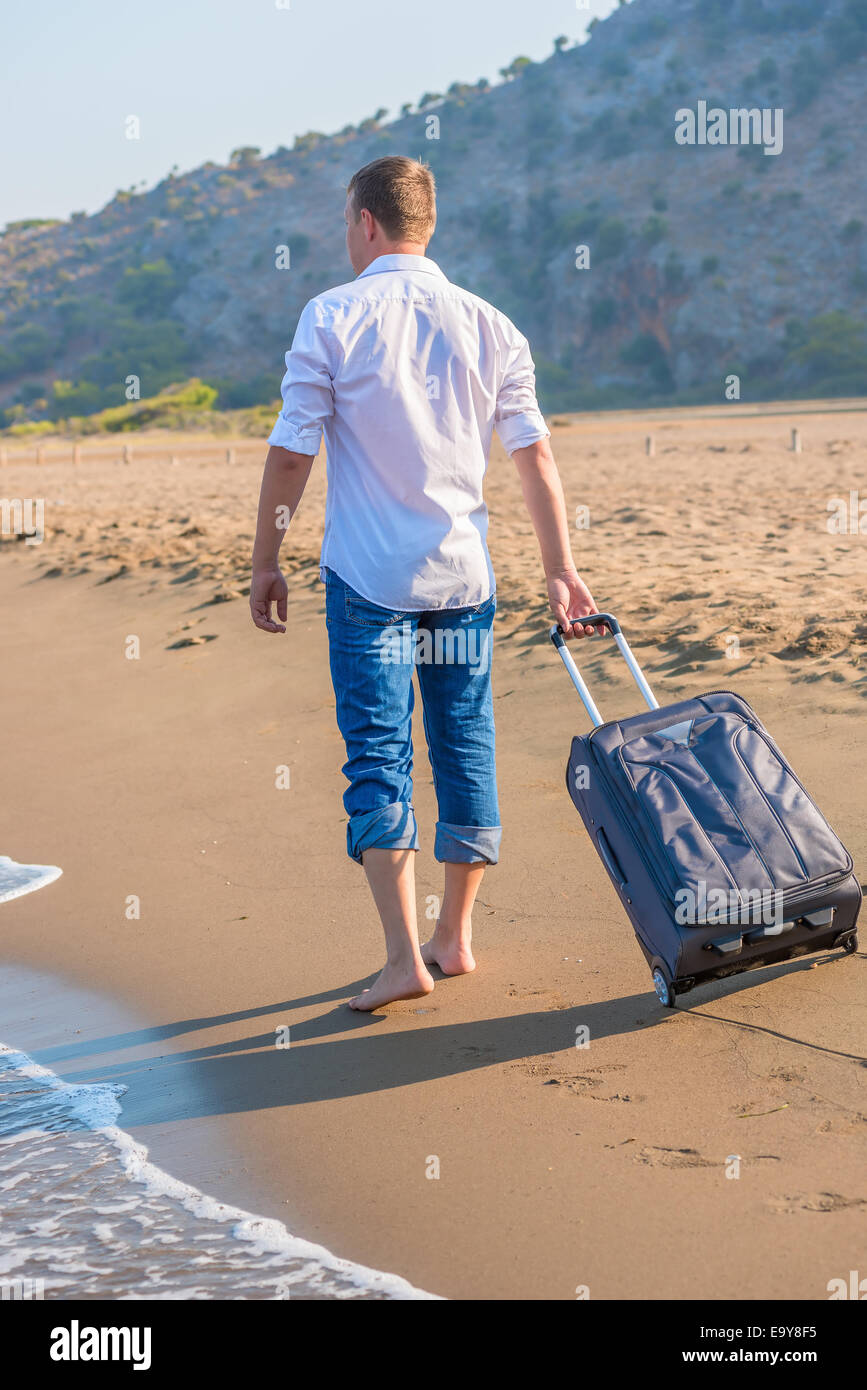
(155,777)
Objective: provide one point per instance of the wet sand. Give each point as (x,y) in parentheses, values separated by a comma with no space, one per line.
(154,778)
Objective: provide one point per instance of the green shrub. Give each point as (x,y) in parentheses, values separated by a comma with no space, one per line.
(158,351)
(611,238)
(847,32)
(603,313)
(617,141)
(164,410)
(646,351)
(245,156)
(806,77)
(27,224)
(493,221)
(27,349)
(75,398)
(232,394)
(148,289)
(831,351)
(654,229)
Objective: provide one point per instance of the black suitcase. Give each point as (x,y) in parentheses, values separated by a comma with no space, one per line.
(720,857)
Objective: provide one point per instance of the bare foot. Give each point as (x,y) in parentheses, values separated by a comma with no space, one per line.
(394,982)
(452,954)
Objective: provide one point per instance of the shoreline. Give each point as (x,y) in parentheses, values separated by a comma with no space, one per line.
(154,779)
(58,1007)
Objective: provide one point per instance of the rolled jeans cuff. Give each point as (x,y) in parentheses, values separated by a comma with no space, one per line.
(389,827)
(467,844)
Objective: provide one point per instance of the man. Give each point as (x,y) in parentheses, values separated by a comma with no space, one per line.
(408,376)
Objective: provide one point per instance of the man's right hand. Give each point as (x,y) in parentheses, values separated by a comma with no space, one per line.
(266,588)
(570,601)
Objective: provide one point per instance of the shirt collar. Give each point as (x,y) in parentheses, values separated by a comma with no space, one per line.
(398,261)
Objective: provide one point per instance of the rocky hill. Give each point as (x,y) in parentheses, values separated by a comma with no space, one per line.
(701,260)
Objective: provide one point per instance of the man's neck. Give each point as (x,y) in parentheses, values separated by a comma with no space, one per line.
(400,248)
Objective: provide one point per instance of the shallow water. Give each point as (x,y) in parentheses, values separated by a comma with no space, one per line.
(84,1212)
(18,879)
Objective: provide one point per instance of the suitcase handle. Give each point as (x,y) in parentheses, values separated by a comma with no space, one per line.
(598,620)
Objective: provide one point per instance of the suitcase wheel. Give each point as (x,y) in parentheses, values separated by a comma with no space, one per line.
(850,945)
(664,988)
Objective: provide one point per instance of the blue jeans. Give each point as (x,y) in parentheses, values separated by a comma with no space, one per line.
(373,653)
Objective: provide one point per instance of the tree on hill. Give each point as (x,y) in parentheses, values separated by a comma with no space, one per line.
(515,68)
(373,122)
(305,143)
(148,289)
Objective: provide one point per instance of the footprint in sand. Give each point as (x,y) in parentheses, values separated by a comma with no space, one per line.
(192,641)
(815,1201)
(223,596)
(839,1125)
(533,1068)
(557,1001)
(788,1074)
(587,1085)
(658,1157)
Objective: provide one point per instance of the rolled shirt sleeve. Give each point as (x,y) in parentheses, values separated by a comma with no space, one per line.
(307,387)
(517,418)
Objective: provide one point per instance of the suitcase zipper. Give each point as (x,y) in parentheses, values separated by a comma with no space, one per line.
(648,859)
(608,722)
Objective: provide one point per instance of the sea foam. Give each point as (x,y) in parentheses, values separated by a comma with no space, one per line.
(87,1215)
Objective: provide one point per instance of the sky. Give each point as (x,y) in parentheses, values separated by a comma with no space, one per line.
(206,76)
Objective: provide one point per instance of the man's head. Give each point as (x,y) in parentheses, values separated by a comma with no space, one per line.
(390,207)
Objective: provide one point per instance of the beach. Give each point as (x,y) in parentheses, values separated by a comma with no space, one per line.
(148,728)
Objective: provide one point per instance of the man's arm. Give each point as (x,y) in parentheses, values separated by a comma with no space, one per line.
(283,484)
(308,402)
(569,596)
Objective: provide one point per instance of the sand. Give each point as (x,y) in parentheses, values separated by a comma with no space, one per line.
(154,778)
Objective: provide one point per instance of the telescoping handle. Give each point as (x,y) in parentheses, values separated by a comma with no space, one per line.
(609,621)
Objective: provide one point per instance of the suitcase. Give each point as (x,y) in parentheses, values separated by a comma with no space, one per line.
(721,859)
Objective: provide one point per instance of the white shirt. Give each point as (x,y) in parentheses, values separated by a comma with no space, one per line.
(408,375)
